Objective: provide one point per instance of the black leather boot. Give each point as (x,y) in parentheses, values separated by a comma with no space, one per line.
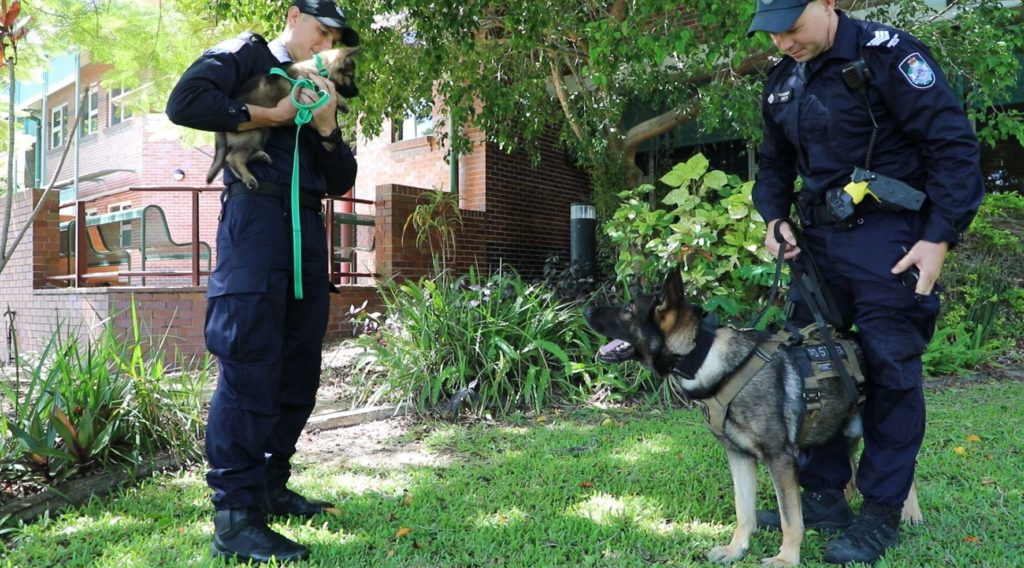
(875,530)
(243,534)
(284,501)
(823,509)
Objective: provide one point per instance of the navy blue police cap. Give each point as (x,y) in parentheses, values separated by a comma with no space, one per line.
(776,16)
(329,14)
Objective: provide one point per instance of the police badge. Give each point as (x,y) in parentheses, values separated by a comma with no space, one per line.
(917,71)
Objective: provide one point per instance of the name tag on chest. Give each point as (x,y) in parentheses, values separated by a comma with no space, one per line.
(780,97)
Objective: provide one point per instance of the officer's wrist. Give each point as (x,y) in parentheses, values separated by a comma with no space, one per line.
(332,136)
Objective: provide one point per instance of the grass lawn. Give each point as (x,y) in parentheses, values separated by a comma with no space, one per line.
(587,488)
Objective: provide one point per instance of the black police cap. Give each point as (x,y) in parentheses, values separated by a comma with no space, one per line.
(329,14)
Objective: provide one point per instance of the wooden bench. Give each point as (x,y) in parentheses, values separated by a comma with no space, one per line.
(99,253)
(150,235)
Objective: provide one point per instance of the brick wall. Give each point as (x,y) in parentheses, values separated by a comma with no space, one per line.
(513,213)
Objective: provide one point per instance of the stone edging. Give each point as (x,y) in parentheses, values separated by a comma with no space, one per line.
(341,418)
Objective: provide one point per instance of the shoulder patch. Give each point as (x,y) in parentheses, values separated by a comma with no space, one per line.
(917,72)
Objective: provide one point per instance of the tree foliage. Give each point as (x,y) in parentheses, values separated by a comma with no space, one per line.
(607,75)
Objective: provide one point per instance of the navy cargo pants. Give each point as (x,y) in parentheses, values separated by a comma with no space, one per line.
(268,345)
(894,327)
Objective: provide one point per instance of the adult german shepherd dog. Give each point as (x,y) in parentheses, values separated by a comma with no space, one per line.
(238,148)
(767,419)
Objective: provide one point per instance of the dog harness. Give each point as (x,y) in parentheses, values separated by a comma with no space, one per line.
(812,358)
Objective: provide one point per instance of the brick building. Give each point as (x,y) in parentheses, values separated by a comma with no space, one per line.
(118,164)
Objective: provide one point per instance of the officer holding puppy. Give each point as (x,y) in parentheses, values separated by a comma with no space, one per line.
(854,96)
(268,343)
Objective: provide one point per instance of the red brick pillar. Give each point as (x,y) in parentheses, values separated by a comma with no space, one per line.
(397,256)
(44,238)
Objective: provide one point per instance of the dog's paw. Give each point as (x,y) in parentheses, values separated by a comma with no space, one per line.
(912,519)
(726,554)
(778,561)
(252,184)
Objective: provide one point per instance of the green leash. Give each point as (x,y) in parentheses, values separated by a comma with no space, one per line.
(302,117)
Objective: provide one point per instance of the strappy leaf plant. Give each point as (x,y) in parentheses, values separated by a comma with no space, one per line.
(435,220)
(494,342)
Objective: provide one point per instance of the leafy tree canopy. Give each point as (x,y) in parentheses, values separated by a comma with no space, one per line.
(608,75)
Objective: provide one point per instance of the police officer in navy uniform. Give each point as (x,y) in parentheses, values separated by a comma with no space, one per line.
(896,116)
(268,343)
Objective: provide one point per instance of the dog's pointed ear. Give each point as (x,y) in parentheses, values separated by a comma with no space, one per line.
(672,295)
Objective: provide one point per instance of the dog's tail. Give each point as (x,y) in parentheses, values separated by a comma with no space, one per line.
(220,152)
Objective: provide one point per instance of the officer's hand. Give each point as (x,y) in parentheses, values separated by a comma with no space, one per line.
(787,234)
(284,112)
(928,257)
(325,118)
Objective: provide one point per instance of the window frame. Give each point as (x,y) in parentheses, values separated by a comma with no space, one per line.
(91,118)
(117,111)
(58,126)
(124,233)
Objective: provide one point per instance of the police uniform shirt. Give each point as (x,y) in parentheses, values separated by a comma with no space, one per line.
(204,99)
(818,127)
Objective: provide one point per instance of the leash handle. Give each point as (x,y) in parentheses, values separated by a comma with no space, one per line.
(302,117)
(777,278)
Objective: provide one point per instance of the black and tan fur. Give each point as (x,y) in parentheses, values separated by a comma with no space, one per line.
(764,420)
(238,148)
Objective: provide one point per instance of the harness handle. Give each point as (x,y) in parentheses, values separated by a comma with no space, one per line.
(302,117)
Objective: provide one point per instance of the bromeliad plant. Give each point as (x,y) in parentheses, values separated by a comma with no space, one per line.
(708,226)
(98,403)
(495,342)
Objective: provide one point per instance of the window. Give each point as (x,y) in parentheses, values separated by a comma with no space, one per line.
(58,122)
(125,239)
(91,118)
(119,112)
(414,127)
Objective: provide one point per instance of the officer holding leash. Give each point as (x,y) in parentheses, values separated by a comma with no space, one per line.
(890,181)
(268,343)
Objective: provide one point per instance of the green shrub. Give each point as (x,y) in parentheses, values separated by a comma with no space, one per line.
(709,228)
(982,320)
(499,342)
(99,402)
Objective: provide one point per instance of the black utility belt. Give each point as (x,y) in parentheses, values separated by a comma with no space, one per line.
(823,214)
(307,200)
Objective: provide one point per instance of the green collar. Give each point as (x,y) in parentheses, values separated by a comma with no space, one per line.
(320,65)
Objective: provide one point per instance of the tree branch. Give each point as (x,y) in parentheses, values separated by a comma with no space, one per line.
(5,255)
(563,99)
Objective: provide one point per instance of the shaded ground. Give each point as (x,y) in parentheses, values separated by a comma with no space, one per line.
(389,443)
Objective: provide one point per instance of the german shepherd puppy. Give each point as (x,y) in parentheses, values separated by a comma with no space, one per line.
(238,148)
(764,421)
